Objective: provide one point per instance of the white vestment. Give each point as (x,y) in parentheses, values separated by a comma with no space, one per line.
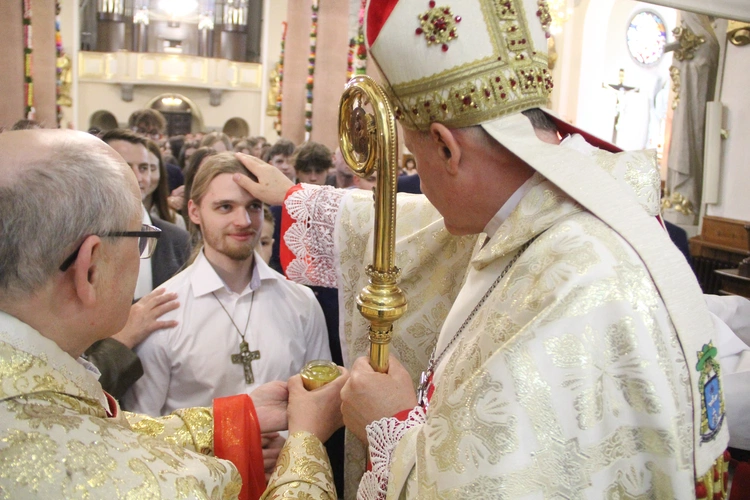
(569,380)
(190,364)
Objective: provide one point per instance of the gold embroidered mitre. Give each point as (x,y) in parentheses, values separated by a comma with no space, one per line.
(463,62)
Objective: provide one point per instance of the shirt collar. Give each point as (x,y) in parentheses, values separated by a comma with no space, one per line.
(497,220)
(205,280)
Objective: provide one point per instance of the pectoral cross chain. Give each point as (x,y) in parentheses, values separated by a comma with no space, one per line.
(246,357)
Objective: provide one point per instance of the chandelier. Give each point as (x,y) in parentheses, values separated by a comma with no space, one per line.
(560,14)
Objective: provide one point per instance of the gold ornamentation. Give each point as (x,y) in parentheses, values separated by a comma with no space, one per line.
(472,422)
(613,372)
(29,459)
(659,485)
(302,470)
(689,42)
(677,202)
(438,25)
(544,14)
(674,74)
(738,33)
(65,69)
(372,146)
(514,78)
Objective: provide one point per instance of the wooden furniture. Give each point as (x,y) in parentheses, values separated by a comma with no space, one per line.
(732,283)
(722,244)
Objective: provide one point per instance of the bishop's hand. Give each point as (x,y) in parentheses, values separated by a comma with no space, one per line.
(369,396)
(272,184)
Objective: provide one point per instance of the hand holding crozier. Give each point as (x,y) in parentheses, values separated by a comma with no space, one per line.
(369,395)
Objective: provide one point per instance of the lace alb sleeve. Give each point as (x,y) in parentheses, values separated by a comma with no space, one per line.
(383,436)
(308,241)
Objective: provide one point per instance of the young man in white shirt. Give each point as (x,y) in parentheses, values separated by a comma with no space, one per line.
(240,323)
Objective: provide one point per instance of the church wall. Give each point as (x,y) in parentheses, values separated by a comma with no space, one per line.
(104,96)
(604,52)
(45,58)
(69,31)
(11,62)
(567,71)
(330,70)
(295,70)
(734,202)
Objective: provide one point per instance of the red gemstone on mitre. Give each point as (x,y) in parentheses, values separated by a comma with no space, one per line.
(445,47)
(432,4)
(700,491)
(467,100)
(427,104)
(487,92)
(458,19)
(419,31)
(444,106)
(503,95)
(440,24)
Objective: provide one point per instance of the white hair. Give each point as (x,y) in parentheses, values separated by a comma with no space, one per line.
(52,205)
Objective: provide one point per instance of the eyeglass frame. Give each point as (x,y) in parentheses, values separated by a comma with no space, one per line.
(151,232)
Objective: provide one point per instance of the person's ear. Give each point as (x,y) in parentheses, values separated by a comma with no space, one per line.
(194,213)
(449,149)
(86,270)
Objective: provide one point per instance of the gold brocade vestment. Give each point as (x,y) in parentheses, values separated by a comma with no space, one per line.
(570,380)
(57,440)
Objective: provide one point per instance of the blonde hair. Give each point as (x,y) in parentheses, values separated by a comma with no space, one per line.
(214,165)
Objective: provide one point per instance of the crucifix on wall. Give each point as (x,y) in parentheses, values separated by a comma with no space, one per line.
(620,90)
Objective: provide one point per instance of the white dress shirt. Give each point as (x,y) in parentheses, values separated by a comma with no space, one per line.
(190,365)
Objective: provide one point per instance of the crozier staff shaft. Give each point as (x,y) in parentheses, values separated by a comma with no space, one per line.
(369,143)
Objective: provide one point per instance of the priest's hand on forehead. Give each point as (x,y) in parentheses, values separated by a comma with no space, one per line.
(272,184)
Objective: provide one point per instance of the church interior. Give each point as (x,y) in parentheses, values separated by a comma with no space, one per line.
(663,75)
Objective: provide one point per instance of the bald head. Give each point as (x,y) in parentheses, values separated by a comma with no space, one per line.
(56,187)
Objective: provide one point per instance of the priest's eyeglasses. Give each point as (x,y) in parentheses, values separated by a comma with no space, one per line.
(147,237)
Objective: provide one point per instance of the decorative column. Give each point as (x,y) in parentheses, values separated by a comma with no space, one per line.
(206,33)
(330,70)
(140,26)
(11,61)
(296,51)
(234,31)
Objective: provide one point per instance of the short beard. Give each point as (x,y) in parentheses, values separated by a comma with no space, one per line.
(238,254)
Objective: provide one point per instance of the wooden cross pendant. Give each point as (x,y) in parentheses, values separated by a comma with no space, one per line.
(246,357)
